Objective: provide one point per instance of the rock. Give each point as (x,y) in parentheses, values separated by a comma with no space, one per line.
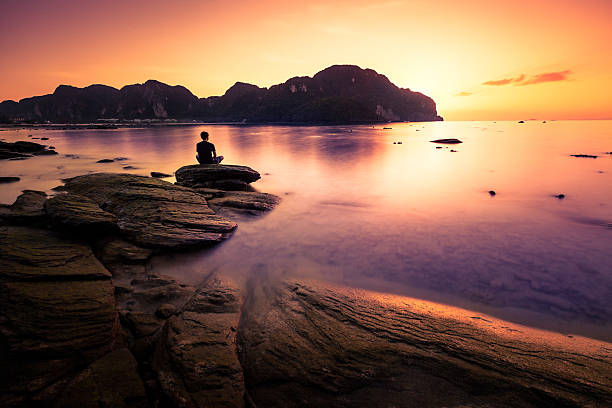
(453,151)
(79,214)
(22,150)
(9,179)
(105,161)
(120,158)
(28,208)
(252,203)
(492,193)
(438,147)
(152,212)
(45,153)
(521,121)
(157,174)
(308,344)
(560,196)
(446,141)
(196,359)
(215,175)
(118,250)
(57,313)
(588,156)
(112,381)
(44,138)
(166,310)
(129,168)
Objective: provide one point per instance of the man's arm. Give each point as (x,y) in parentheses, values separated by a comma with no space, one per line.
(213,150)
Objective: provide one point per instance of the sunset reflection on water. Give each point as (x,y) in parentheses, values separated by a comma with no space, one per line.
(408,219)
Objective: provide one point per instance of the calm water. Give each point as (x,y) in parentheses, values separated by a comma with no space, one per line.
(405,218)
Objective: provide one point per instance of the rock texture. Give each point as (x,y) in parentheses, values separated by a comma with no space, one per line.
(340,93)
(79,214)
(57,313)
(219,176)
(196,358)
(28,208)
(304,344)
(151,212)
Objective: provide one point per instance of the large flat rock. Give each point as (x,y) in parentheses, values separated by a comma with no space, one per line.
(57,313)
(225,177)
(152,212)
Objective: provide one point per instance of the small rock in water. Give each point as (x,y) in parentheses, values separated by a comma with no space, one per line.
(492,193)
(453,151)
(105,161)
(521,121)
(560,196)
(446,141)
(158,174)
(399,142)
(438,147)
(120,158)
(588,156)
(44,138)
(51,147)
(543,121)
(129,168)
(394,142)
(9,179)
(387,128)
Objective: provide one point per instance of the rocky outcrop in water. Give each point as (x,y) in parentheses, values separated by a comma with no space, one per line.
(340,93)
(23,150)
(217,176)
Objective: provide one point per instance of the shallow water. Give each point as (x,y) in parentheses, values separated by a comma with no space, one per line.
(404,218)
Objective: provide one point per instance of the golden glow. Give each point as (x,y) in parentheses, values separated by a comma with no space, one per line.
(445,49)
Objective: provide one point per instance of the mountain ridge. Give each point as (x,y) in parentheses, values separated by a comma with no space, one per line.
(339,93)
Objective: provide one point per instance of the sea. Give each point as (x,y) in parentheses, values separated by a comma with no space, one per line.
(381,207)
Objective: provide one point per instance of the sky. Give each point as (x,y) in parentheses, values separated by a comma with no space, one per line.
(478,59)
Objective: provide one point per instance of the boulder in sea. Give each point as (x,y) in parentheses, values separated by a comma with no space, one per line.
(151,212)
(9,179)
(158,174)
(585,156)
(23,150)
(220,176)
(446,141)
(105,161)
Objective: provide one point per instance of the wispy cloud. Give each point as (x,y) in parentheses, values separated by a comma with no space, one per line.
(548,77)
(532,80)
(506,81)
(464,93)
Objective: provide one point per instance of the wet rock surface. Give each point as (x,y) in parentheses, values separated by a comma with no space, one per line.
(79,214)
(220,176)
(28,208)
(303,344)
(240,203)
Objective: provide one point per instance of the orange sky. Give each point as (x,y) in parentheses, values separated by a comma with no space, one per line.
(555,55)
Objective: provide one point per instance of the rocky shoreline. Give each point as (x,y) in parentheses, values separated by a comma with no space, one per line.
(85,322)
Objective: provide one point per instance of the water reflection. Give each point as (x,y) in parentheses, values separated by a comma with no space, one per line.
(404,218)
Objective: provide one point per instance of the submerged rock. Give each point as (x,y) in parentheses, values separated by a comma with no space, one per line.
(248,203)
(152,212)
(158,174)
(225,177)
(587,156)
(4,180)
(446,141)
(22,150)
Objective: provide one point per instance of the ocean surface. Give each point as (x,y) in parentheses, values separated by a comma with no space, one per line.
(361,209)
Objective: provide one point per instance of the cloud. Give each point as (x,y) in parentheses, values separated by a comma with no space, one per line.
(506,81)
(548,77)
(535,79)
(464,93)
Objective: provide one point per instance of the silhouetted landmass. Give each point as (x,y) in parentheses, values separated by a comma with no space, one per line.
(340,93)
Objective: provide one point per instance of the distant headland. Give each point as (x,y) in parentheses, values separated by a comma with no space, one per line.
(338,94)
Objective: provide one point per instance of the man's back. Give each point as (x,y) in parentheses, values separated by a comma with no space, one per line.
(205,151)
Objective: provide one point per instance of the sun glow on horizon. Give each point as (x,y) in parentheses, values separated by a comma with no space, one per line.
(477,60)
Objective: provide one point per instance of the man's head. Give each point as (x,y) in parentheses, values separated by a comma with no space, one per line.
(204,135)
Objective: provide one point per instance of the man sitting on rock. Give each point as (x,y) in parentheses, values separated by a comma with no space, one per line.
(206,151)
